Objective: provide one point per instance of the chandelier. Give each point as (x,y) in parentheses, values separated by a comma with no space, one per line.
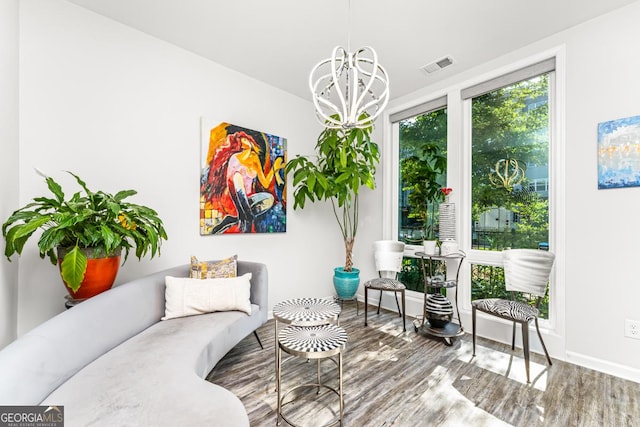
(350,89)
(506,173)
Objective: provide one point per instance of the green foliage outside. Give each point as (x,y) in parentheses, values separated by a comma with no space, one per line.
(507,124)
(423,172)
(511,124)
(411,274)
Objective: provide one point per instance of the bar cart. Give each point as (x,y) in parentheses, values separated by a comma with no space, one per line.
(437,313)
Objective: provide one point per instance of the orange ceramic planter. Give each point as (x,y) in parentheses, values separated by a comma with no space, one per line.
(100,275)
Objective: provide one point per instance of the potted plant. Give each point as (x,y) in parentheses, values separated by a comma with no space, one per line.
(85,234)
(421,174)
(345,160)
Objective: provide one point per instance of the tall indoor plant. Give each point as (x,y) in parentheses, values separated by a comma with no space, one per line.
(85,226)
(345,160)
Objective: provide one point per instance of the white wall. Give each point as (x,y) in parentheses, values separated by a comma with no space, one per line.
(602,230)
(8,158)
(122,110)
(601,233)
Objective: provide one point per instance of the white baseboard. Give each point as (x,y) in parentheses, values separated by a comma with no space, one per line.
(611,368)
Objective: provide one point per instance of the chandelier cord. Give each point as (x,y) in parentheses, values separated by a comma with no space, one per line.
(349,26)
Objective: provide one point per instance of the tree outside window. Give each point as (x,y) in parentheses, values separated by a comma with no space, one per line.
(510,176)
(423,167)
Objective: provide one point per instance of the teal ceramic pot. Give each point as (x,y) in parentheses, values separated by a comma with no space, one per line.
(346,282)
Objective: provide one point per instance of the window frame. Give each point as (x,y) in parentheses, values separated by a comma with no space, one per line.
(494,258)
(459,178)
(391,161)
(435,104)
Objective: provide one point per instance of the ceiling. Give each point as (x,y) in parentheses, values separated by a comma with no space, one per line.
(280,41)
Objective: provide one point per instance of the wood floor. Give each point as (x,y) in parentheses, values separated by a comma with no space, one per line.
(393,378)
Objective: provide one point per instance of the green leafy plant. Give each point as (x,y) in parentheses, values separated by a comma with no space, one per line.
(345,161)
(422,174)
(98,220)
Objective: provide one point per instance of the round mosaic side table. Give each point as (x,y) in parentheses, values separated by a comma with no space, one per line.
(311,342)
(304,312)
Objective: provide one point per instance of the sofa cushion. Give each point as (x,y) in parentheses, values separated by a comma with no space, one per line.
(45,357)
(156,377)
(61,360)
(188,297)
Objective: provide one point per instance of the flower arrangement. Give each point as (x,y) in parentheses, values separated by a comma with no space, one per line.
(446,191)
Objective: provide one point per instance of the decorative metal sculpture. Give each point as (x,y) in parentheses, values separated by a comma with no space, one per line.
(507,173)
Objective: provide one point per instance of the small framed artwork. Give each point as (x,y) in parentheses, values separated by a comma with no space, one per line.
(242,180)
(619,153)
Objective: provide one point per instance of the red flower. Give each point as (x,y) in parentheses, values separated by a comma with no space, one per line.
(446,191)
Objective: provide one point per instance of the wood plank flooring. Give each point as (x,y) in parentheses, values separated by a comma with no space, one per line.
(393,378)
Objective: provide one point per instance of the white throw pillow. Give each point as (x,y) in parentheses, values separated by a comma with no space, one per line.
(187,297)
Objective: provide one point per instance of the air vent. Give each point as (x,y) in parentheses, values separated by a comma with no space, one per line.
(437,65)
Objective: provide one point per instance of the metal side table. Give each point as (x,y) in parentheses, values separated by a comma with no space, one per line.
(304,312)
(446,327)
(311,342)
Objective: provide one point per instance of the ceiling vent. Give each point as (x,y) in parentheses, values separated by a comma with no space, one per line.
(437,65)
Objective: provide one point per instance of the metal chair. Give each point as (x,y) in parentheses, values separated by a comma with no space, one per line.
(526,271)
(388,256)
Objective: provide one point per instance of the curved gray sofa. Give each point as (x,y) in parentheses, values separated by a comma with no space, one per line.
(110,361)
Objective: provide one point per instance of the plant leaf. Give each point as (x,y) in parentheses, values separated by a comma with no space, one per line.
(55,188)
(73,267)
(81,183)
(109,237)
(28,228)
(120,195)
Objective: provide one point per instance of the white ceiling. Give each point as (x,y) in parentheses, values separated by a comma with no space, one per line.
(279,41)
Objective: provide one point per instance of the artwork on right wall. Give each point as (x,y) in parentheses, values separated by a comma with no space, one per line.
(619,153)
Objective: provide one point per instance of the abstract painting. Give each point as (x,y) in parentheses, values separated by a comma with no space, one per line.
(619,153)
(242,180)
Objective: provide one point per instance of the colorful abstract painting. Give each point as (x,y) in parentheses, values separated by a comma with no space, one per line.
(242,180)
(619,153)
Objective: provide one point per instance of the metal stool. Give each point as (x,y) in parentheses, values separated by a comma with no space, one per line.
(311,342)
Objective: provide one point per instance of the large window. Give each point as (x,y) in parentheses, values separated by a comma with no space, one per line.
(422,172)
(510,158)
(509,170)
(500,168)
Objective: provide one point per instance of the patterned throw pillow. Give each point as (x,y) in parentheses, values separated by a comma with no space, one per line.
(214,269)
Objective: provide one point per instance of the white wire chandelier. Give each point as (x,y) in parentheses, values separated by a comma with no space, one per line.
(350,89)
